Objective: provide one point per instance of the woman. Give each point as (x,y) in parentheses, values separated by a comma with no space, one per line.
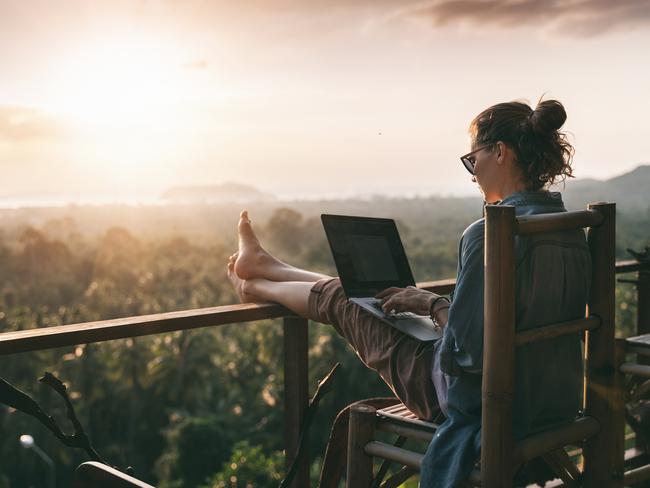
(516,153)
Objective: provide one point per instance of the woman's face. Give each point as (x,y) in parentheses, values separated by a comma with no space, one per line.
(487,172)
(496,171)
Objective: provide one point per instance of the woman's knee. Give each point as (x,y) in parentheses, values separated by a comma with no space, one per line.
(327,301)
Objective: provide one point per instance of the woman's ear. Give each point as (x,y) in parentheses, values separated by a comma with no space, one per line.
(500,152)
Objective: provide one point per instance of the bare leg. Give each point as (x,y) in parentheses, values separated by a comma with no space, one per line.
(253,261)
(292,294)
(404,363)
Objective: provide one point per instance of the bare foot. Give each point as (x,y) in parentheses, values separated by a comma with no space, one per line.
(239,285)
(252,260)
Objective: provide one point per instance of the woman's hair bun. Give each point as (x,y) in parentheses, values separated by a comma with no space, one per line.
(547,117)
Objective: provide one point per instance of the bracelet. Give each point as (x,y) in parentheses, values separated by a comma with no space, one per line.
(433,304)
(436,325)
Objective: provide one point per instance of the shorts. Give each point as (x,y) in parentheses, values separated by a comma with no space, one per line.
(404,363)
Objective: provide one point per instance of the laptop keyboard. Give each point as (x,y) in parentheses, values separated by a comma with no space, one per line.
(395,315)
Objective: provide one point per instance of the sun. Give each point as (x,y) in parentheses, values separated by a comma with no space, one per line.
(124,80)
(128,101)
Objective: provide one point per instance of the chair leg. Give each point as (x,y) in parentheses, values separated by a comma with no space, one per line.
(362,426)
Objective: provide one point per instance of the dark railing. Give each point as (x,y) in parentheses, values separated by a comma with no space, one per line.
(296,388)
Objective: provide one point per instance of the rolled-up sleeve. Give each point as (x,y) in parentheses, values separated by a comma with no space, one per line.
(462,346)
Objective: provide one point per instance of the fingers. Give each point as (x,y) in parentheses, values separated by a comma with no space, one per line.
(388,292)
(391,305)
(396,303)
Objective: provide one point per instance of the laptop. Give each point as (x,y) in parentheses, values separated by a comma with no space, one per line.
(370,257)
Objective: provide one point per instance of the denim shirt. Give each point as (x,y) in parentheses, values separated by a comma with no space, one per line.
(553,275)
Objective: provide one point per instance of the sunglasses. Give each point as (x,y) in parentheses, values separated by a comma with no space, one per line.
(469,159)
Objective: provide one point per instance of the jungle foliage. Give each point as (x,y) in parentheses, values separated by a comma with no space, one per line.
(201,407)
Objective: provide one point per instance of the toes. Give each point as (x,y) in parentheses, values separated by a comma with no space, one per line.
(245,229)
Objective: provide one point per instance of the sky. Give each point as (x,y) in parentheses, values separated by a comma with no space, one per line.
(117,99)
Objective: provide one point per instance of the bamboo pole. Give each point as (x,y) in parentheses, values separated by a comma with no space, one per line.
(386,451)
(642,319)
(499,347)
(550,440)
(642,370)
(643,306)
(533,224)
(296,394)
(643,301)
(599,450)
(556,330)
(360,433)
(618,414)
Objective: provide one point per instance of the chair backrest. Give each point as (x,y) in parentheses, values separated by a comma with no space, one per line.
(498,453)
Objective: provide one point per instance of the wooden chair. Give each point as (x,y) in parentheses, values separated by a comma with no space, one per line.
(595,431)
(98,475)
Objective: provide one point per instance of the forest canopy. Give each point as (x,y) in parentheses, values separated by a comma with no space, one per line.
(185,408)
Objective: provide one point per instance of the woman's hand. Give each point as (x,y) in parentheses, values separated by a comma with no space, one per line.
(410,299)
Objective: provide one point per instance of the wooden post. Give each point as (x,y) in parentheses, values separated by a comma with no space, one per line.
(296,394)
(361,431)
(618,414)
(642,319)
(643,304)
(499,348)
(599,450)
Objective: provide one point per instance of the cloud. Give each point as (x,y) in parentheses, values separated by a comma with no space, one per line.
(24,124)
(574,18)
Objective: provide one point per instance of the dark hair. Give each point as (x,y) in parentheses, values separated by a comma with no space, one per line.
(543,152)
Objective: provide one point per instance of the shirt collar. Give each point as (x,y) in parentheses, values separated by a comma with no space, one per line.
(540,197)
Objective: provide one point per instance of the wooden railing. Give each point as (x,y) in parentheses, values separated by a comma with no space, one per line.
(296,388)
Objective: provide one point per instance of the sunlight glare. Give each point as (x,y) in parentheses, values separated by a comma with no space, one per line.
(127,99)
(120,82)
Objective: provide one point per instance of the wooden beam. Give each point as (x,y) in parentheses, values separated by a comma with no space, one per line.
(499,348)
(296,393)
(631,265)
(556,330)
(549,440)
(600,459)
(643,303)
(441,287)
(397,454)
(636,369)
(617,400)
(532,224)
(360,433)
(106,330)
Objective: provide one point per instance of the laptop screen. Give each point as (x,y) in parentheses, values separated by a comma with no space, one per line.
(368,253)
